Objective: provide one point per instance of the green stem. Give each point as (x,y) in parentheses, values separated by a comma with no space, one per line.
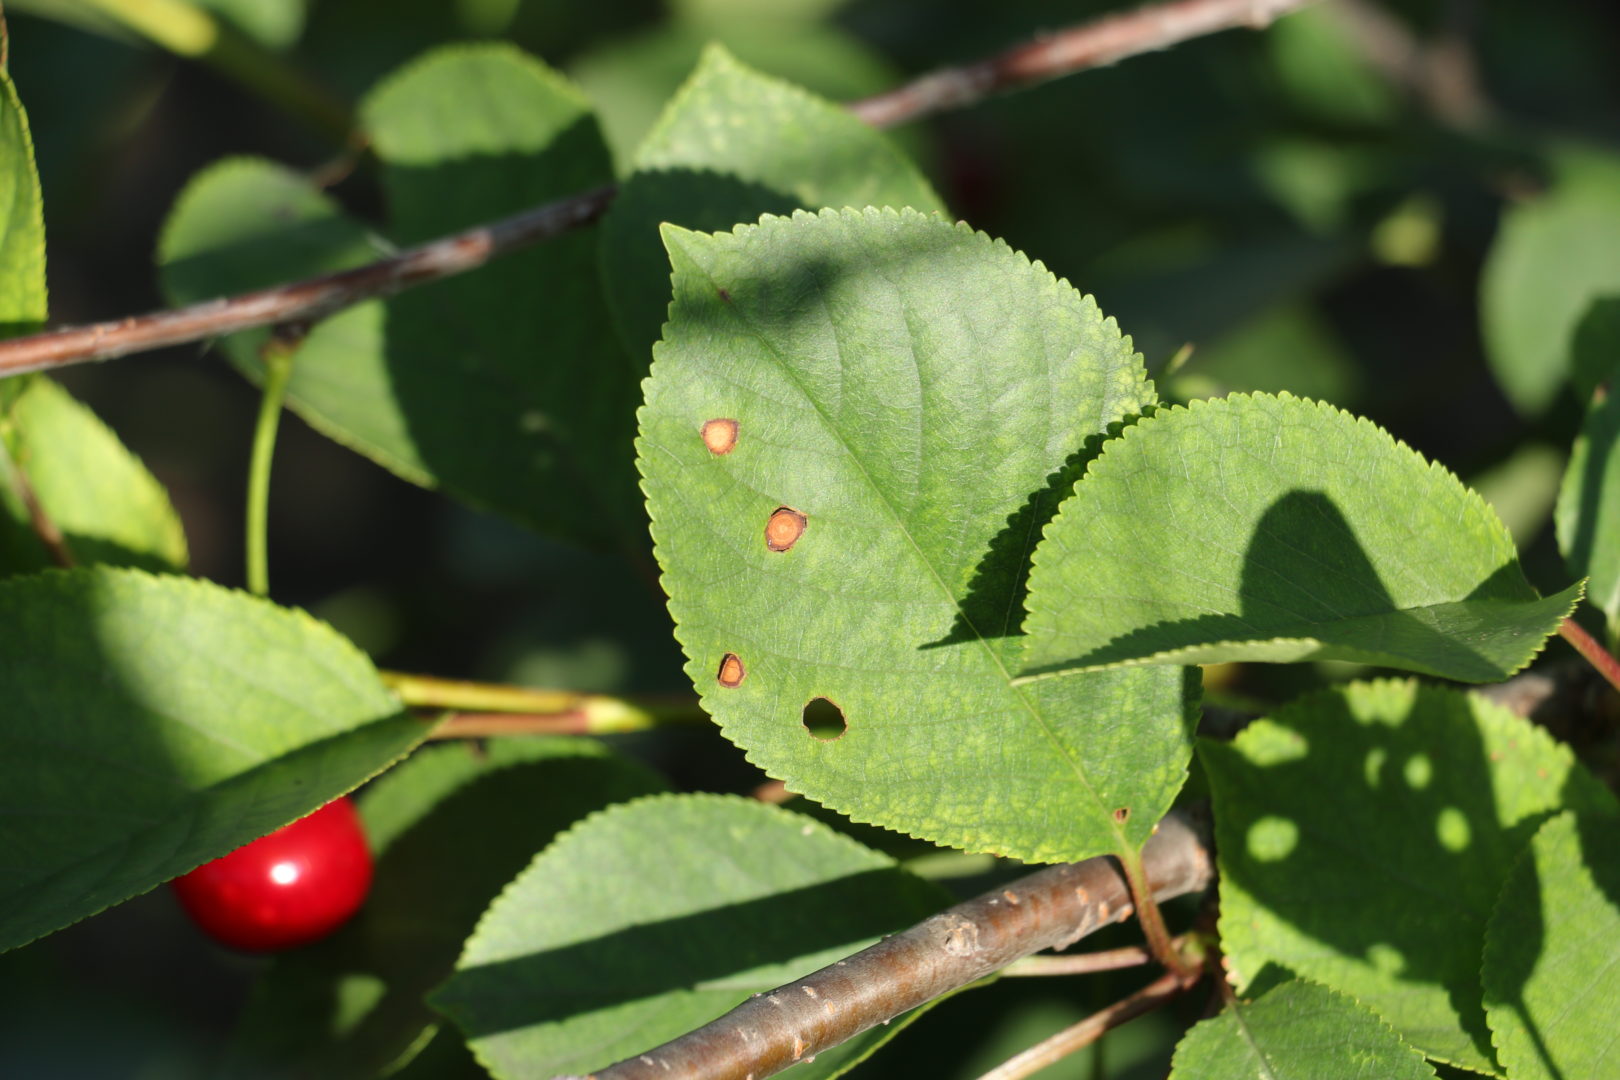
(187,30)
(278,356)
(1160,943)
(488,709)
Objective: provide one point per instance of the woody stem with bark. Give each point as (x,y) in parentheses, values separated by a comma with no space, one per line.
(1092,44)
(1052,908)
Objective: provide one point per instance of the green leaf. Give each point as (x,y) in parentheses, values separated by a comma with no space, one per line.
(518,352)
(154,723)
(22,222)
(1588,514)
(732,145)
(1363,835)
(631,78)
(276,24)
(1298,1031)
(1596,349)
(108,507)
(1259,528)
(912,388)
(1553,257)
(1552,972)
(653,918)
(451,826)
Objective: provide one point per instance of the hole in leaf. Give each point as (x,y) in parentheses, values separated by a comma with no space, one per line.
(824,719)
(732,672)
(720,435)
(1122,815)
(784,528)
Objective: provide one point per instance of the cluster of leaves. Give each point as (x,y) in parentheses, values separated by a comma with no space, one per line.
(1004,553)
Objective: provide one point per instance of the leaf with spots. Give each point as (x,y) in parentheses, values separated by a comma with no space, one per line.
(505,386)
(1552,954)
(900,398)
(654,917)
(1297,1031)
(109,508)
(154,723)
(732,145)
(1261,528)
(1363,836)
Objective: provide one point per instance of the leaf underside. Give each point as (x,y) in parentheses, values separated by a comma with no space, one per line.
(1261,528)
(919,396)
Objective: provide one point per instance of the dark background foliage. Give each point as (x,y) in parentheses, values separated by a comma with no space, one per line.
(1288,202)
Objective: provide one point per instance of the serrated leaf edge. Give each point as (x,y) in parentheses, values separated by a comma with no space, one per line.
(1133,431)
(1046,278)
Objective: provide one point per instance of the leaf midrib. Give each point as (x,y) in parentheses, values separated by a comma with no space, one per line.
(1029,707)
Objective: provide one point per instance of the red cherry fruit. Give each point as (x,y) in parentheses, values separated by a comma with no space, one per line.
(290,888)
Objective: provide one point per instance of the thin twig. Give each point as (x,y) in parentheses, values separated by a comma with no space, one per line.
(1094,44)
(1103,41)
(1161,991)
(1083,963)
(1051,908)
(1594,653)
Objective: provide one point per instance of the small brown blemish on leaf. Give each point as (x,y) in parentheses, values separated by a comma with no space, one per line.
(784,528)
(1122,814)
(725,295)
(720,435)
(732,672)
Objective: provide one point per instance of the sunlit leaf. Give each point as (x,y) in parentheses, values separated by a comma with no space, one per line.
(1267,528)
(653,918)
(856,424)
(1363,836)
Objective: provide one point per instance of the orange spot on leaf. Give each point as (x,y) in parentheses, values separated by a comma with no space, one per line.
(720,435)
(784,528)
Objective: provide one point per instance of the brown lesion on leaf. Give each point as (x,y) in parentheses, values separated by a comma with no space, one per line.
(824,718)
(732,672)
(720,435)
(1122,815)
(784,528)
(725,295)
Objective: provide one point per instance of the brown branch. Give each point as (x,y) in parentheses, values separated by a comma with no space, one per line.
(1089,45)
(1051,908)
(307,300)
(1161,991)
(1088,963)
(1094,44)
(1589,648)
